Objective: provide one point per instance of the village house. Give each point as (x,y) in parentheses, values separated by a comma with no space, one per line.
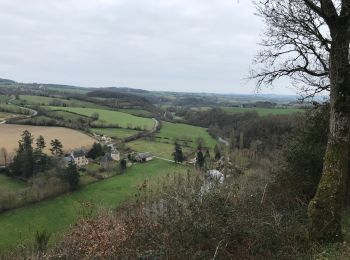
(79,158)
(114,153)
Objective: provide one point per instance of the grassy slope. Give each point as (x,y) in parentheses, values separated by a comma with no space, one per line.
(137,112)
(4,99)
(39,100)
(114,132)
(10,184)
(156,148)
(180,131)
(262,111)
(111,117)
(4,115)
(66,115)
(57,214)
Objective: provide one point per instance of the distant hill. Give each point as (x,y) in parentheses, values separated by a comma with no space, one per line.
(127,90)
(6,81)
(125,100)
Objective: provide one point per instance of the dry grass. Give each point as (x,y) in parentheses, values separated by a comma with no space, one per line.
(10,134)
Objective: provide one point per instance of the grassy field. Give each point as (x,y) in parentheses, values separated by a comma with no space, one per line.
(56,215)
(10,184)
(137,112)
(156,148)
(115,132)
(10,108)
(10,134)
(262,111)
(46,101)
(4,99)
(66,115)
(4,115)
(171,131)
(111,117)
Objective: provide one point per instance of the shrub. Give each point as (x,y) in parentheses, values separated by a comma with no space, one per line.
(178,220)
(301,161)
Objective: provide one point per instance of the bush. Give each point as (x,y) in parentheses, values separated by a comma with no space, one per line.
(180,221)
(301,161)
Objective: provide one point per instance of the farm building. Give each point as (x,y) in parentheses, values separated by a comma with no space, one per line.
(106,139)
(106,161)
(144,157)
(79,158)
(114,153)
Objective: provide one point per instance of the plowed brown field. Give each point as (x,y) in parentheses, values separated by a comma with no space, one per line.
(71,139)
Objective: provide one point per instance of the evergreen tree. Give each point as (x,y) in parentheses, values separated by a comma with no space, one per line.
(95,151)
(23,161)
(123,164)
(40,144)
(56,147)
(41,159)
(217,152)
(200,158)
(72,175)
(178,155)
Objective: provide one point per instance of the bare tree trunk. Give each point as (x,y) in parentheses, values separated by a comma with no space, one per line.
(325,209)
(4,152)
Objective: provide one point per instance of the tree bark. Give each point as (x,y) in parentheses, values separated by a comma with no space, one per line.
(325,209)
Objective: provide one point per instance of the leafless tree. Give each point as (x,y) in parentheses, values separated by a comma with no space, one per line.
(308,42)
(4,154)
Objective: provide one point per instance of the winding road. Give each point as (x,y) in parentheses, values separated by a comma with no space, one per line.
(32,112)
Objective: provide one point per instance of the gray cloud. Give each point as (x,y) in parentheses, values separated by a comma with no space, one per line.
(182,45)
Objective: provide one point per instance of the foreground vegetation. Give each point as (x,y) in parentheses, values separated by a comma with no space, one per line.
(56,215)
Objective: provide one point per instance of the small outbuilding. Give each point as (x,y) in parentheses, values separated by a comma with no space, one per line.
(144,157)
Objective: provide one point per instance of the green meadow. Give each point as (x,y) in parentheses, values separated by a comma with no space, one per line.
(172,131)
(10,184)
(4,99)
(119,133)
(46,101)
(160,149)
(57,214)
(137,112)
(107,117)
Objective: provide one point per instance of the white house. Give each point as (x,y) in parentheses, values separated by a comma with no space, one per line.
(114,153)
(79,158)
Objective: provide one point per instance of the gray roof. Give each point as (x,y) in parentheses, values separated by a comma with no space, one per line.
(106,158)
(78,153)
(144,155)
(67,159)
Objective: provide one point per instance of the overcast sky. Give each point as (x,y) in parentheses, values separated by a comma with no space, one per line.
(177,45)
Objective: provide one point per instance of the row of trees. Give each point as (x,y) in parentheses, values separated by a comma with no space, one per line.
(201,158)
(30,160)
